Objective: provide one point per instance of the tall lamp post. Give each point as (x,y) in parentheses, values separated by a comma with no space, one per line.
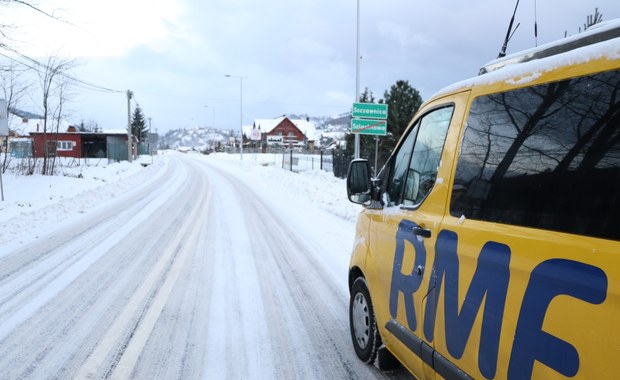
(240,108)
(357,78)
(129,136)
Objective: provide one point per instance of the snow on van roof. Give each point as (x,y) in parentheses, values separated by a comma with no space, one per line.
(519,73)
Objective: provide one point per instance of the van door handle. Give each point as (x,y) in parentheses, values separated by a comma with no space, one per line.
(422,232)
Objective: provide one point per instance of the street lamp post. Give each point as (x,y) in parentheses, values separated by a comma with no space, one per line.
(240,108)
(129,135)
(357,79)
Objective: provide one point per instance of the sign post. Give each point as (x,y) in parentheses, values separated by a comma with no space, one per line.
(370,119)
(4,132)
(369,127)
(256,136)
(369,111)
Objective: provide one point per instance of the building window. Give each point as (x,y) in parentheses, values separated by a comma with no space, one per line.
(64,145)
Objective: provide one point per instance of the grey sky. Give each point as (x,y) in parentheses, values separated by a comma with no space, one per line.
(295,57)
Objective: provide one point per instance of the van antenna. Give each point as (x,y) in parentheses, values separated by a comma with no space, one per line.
(535,23)
(509,33)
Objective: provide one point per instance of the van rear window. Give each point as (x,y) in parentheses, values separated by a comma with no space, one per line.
(545,157)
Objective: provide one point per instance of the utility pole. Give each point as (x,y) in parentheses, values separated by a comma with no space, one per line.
(357,77)
(129,136)
(149,139)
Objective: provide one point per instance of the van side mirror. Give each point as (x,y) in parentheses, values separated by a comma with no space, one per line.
(359,185)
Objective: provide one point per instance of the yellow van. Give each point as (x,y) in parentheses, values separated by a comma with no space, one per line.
(489,244)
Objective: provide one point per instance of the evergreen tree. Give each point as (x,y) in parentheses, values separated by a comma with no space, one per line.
(403,102)
(367,96)
(138,125)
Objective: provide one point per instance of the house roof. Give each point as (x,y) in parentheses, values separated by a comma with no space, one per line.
(24,126)
(23,123)
(267,125)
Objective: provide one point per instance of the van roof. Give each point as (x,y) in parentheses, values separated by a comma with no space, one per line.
(595,34)
(601,41)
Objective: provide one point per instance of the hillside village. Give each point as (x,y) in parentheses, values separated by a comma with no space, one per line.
(300,132)
(63,139)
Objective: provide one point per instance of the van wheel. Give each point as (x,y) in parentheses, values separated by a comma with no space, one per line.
(363,325)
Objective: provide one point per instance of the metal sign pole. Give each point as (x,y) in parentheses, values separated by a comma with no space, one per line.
(4,131)
(1,169)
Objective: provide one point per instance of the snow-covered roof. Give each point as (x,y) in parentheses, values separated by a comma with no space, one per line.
(114,131)
(306,127)
(247,130)
(267,125)
(23,127)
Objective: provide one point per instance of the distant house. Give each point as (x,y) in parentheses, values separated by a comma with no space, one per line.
(28,140)
(110,144)
(63,144)
(285,132)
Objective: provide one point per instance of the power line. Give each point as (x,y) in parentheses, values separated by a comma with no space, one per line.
(36,65)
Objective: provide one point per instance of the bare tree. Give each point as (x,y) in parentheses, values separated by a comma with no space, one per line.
(5,27)
(54,85)
(12,88)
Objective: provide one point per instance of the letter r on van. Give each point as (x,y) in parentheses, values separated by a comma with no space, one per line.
(408,283)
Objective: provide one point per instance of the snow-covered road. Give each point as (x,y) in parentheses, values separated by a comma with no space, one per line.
(196,273)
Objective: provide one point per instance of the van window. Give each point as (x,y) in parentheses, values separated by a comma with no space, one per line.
(415,165)
(546,157)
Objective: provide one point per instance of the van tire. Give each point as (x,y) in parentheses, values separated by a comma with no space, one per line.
(362,323)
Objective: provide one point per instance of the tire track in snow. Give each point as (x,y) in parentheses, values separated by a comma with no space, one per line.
(75,319)
(308,337)
(237,340)
(25,291)
(155,288)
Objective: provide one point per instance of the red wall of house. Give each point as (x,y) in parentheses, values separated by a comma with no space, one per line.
(39,152)
(285,127)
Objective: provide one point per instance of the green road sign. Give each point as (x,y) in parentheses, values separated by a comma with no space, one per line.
(370,110)
(369,127)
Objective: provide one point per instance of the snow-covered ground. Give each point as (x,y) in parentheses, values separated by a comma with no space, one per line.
(35,204)
(192,267)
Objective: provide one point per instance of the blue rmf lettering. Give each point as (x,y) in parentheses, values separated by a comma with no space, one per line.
(490,280)
(550,279)
(409,283)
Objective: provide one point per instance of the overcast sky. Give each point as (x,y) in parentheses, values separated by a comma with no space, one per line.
(295,57)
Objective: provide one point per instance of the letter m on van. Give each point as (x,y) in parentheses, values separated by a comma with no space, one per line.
(490,282)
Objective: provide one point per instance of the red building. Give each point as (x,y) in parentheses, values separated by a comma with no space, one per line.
(286,132)
(112,145)
(62,144)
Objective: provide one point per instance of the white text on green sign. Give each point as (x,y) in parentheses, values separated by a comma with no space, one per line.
(369,127)
(370,110)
